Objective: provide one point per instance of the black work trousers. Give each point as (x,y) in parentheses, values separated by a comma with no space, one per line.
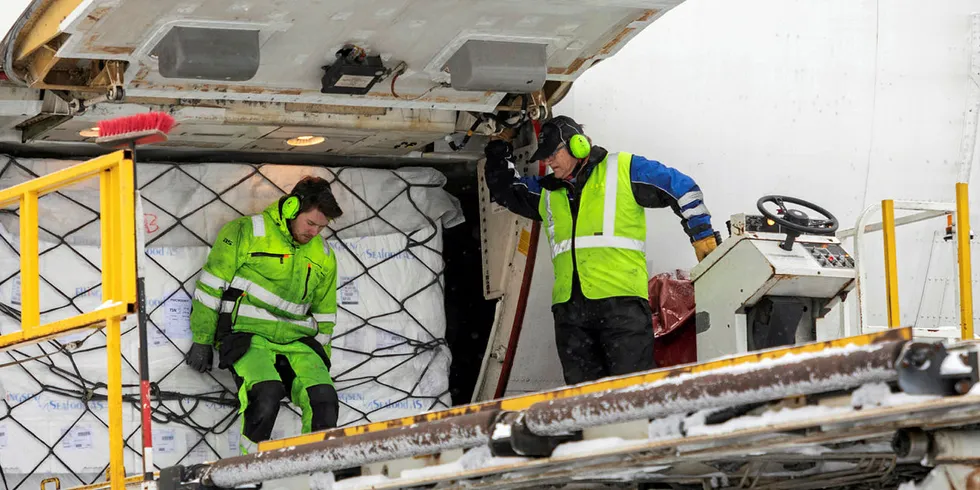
(603,337)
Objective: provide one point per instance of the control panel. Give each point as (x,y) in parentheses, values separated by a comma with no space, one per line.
(829,255)
(747,223)
(741,224)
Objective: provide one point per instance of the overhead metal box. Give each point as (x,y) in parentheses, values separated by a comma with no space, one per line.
(209,54)
(499,66)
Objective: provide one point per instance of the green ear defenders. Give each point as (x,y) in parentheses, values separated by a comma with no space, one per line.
(291,207)
(579,146)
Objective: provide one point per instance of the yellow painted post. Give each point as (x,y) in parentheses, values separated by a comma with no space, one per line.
(106,212)
(111,290)
(117,472)
(891,266)
(127,231)
(30,303)
(963,258)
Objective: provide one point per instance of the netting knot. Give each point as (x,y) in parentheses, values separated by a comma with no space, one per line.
(425,346)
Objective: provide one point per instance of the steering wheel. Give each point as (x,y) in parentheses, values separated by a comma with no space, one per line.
(796,220)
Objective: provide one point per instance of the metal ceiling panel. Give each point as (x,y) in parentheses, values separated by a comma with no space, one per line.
(298,37)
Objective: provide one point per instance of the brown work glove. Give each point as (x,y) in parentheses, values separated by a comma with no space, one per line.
(704,246)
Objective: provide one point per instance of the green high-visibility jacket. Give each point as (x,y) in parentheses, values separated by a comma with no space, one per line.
(289,290)
(606,242)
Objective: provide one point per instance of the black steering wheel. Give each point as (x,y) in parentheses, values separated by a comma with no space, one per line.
(795,221)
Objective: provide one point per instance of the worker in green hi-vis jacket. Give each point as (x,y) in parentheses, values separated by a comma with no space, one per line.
(267,300)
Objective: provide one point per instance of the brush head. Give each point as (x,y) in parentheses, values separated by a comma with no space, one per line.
(138,129)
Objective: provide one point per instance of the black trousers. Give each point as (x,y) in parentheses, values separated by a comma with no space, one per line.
(603,337)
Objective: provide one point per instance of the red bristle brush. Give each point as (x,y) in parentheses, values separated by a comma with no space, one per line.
(127,132)
(139,129)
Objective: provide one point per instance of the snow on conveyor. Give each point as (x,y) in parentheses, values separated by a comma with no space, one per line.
(671,427)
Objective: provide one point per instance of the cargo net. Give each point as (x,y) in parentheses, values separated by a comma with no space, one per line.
(390,357)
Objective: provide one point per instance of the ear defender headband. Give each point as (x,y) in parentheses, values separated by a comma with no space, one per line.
(578,145)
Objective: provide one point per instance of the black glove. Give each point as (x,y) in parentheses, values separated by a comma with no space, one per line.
(498,152)
(200,357)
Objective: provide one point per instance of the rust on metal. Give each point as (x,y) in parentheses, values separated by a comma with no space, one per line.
(647,15)
(335,109)
(608,47)
(825,371)
(113,49)
(524,401)
(973,480)
(111,75)
(97,14)
(141,74)
(572,67)
(333,454)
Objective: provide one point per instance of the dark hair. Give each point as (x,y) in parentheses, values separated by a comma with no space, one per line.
(315,192)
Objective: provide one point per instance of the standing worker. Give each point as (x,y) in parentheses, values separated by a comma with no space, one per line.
(267,299)
(593,208)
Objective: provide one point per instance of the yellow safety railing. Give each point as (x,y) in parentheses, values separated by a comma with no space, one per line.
(891,265)
(963,258)
(962,212)
(117,210)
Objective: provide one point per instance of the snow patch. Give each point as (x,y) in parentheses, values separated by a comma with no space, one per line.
(501,431)
(322,480)
(668,427)
(870,395)
(480,458)
(953,364)
(896,399)
(880,395)
(909,485)
(475,459)
(359,482)
(769,418)
(588,447)
(453,468)
(810,450)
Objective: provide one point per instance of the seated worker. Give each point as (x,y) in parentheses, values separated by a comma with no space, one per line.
(267,299)
(593,210)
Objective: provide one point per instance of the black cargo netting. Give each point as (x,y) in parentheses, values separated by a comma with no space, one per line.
(54,372)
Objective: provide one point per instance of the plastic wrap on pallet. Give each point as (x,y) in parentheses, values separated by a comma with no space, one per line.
(390,358)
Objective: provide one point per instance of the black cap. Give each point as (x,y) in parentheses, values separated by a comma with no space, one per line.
(555,134)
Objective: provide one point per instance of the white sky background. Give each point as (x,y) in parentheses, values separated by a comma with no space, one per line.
(9,13)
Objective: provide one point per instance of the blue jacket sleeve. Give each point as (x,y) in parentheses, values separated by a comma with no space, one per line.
(520,195)
(656,185)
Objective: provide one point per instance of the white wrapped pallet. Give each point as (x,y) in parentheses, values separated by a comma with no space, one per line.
(390,357)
